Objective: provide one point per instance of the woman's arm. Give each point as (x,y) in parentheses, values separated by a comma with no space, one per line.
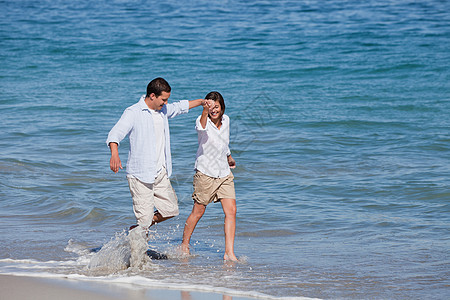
(207,104)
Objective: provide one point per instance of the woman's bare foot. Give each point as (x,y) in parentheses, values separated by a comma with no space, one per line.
(230,257)
(185,249)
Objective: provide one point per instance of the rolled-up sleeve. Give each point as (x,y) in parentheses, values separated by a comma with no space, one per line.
(177,108)
(122,128)
(198,125)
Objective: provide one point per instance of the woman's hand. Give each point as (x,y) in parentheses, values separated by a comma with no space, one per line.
(231,162)
(207,104)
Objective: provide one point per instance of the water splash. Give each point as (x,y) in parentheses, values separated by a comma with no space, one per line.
(138,247)
(125,250)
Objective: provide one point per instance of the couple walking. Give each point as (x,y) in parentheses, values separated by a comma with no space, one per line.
(149,163)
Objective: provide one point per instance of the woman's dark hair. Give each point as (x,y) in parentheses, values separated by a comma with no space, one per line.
(216,96)
(157,86)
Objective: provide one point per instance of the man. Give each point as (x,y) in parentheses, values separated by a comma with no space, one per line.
(149,164)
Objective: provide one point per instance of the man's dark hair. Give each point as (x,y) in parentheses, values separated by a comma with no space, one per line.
(216,96)
(157,86)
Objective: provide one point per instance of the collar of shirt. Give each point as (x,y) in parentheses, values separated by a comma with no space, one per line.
(222,126)
(144,106)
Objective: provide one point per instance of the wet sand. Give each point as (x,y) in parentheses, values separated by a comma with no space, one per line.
(24,288)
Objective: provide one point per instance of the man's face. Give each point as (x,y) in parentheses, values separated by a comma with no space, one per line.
(158,102)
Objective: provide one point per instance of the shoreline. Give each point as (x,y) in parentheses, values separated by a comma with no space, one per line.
(40,288)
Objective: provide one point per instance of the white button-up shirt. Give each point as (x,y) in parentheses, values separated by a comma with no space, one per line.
(137,123)
(213,148)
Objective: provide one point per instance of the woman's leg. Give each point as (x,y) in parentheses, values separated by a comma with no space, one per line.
(229,208)
(197,212)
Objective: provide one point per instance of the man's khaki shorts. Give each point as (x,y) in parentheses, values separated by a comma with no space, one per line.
(147,196)
(209,189)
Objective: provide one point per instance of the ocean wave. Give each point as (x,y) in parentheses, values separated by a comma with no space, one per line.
(267,233)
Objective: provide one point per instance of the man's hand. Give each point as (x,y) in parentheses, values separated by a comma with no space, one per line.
(114,162)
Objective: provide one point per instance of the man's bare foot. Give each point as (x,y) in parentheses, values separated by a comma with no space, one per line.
(230,257)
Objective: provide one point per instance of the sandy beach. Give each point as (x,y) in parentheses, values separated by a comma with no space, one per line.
(20,287)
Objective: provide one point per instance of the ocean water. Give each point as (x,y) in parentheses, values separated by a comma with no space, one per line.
(340,130)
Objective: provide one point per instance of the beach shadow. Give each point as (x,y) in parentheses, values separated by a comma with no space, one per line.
(187,296)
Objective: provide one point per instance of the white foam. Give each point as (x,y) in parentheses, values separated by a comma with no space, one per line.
(121,261)
(77,248)
(123,280)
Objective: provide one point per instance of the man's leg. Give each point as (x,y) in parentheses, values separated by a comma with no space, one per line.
(158,218)
(143,201)
(166,201)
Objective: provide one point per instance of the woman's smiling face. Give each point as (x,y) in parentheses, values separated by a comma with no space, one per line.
(215,112)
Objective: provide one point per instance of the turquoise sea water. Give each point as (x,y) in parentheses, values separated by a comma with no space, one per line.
(341,132)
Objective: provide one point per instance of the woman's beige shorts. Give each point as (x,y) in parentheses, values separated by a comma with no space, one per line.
(147,196)
(208,189)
